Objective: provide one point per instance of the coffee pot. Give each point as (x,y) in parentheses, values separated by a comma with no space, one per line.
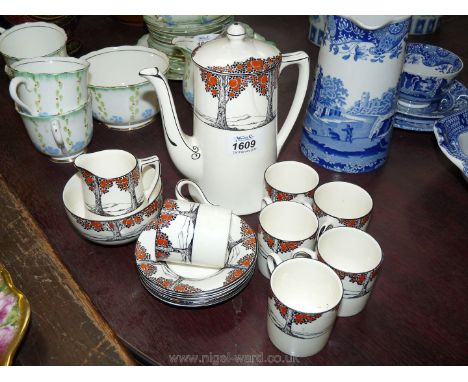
(235,133)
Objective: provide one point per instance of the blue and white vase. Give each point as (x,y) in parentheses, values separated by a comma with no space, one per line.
(347,126)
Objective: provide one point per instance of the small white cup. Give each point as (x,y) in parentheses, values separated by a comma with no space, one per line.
(290,181)
(49,86)
(303,300)
(284,227)
(192,233)
(339,204)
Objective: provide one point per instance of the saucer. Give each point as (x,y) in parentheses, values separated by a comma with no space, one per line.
(111,230)
(423,119)
(191,286)
(452,137)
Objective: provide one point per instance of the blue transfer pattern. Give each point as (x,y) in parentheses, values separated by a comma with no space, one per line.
(52,150)
(116,119)
(424,24)
(316,29)
(417,87)
(354,139)
(423,119)
(78,146)
(348,40)
(147,113)
(432,56)
(448,132)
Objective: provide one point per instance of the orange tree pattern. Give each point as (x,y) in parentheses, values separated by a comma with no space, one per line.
(292,316)
(280,246)
(276,195)
(164,246)
(227,82)
(98,187)
(353,223)
(117,225)
(264,79)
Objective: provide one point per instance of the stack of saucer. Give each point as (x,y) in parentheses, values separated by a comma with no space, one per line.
(163,29)
(194,286)
(428,90)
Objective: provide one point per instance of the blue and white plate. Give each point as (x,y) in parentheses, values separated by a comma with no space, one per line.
(423,119)
(452,136)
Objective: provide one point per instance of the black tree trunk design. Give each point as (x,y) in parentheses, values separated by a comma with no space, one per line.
(221,122)
(289,320)
(270,89)
(115,228)
(97,197)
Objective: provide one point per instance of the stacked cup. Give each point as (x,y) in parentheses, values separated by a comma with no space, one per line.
(50,90)
(326,224)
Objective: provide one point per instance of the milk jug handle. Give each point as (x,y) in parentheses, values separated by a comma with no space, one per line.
(302,60)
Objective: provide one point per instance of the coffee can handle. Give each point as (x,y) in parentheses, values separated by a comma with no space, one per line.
(200,197)
(273,260)
(154,162)
(304,252)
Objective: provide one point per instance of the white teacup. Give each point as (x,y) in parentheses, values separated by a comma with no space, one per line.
(290,181)
(284,227)
(111,180)
(49,86)
(302,304)
(30,40)
(192,233)
(342,204)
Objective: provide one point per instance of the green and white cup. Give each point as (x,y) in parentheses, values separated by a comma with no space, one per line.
(45,86)
(61,137)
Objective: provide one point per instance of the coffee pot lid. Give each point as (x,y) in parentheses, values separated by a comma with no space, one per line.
(236,47)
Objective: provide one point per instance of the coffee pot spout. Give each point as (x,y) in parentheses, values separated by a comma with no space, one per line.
(183,149)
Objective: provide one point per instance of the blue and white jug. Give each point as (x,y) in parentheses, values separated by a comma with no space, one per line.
(348,123)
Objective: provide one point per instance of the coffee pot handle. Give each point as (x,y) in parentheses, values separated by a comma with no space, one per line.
(302,60)
(151,161)
(200,198)
(14,84)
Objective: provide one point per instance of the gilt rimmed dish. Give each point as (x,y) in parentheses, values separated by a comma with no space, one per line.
(14,317)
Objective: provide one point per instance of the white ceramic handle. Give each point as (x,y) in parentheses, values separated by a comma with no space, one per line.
(150,161)
(14,84)
(300,252)
(266,201)
(273,260)
(325,223)
(201,196)
(57,135)
(301,59)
